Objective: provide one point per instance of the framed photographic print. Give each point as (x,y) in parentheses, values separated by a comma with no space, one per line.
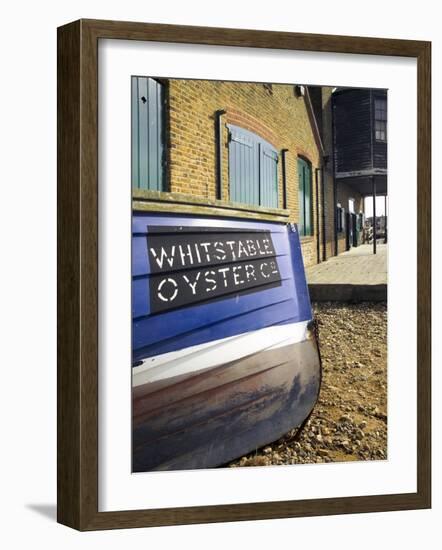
(230,216)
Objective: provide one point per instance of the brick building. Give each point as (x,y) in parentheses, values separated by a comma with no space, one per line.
(247,150)
(234,149)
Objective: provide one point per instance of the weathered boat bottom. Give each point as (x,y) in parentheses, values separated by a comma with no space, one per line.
(209,417)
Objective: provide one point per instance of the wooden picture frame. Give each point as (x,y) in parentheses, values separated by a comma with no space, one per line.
(78,274)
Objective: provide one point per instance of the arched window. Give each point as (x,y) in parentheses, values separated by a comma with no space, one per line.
(305,224)
(253,169)
(148,135)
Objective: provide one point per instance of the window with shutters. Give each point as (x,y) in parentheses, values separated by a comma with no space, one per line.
(305,224)
(253,169)
(148,134)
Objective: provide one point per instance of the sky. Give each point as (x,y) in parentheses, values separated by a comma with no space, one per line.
(380,206)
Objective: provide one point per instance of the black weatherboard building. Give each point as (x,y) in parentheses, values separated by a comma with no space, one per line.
(360,148)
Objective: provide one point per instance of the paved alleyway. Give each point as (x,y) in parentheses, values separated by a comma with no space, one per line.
(354,275)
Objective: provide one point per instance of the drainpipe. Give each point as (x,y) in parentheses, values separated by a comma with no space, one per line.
(219,152)
(284,178)
(318,245)
(324,236)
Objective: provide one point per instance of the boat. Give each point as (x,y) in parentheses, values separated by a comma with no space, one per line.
(225,357)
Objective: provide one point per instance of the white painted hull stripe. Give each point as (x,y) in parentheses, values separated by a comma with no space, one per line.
(217,352)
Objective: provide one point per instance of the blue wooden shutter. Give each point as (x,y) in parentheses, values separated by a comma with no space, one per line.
(308,199)
(268,177)
(243,166)
(253,169)
(305,198)
(147,134)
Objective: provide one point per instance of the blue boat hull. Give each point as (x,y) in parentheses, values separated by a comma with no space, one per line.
(224,360)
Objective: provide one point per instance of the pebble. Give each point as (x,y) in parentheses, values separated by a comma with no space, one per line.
(349,421)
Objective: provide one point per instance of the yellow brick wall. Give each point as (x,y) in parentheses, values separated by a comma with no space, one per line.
(273,112)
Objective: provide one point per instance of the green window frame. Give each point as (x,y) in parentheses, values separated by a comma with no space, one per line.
(148,134)
(305,196)
(253,169)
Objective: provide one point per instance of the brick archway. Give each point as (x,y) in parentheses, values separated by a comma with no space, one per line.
(248,122)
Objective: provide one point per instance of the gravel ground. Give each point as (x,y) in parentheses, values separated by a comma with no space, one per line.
(349,421)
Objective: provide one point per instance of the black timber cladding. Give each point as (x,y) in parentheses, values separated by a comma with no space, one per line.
(355,146)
